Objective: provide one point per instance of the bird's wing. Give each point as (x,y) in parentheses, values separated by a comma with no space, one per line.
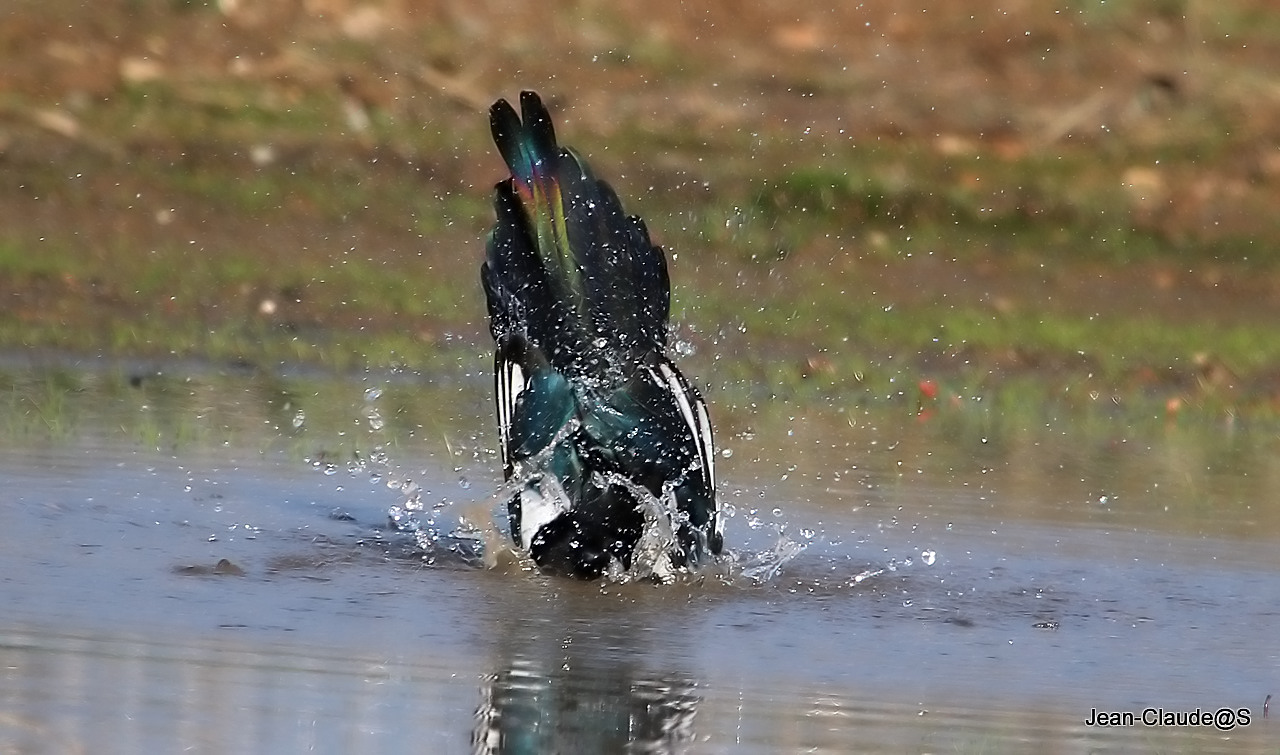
(697,496)
(534,401)
(509,382)
(693,410)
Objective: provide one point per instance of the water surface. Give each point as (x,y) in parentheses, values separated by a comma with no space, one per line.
(200,560)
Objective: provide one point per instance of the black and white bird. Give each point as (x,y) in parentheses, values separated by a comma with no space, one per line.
(611,445)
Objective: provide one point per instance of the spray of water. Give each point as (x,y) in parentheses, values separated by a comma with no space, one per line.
(476,532)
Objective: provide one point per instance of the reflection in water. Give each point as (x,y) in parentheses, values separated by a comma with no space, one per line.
(90,693)
(526,709)
(582,694)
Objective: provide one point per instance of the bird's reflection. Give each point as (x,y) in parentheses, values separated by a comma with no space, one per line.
(581,691)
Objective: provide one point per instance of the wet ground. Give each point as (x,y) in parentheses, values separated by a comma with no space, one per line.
(197,559)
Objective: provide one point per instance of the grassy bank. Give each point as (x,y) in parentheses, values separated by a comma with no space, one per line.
(858,203)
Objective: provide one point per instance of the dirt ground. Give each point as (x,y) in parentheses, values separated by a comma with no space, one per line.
(1190,84)
(287,134)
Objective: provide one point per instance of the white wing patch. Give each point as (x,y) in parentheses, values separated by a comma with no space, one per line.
(535,511)
(542,499)
(706,448)
(694,411)
(707,451)
(509,381)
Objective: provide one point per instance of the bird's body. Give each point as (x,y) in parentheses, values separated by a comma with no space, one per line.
(607,439)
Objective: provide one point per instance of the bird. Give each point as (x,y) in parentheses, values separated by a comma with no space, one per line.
(609,444)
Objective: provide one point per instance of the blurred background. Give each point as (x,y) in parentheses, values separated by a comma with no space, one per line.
(957,197)
(983,297)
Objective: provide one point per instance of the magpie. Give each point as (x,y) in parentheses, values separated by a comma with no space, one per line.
(610,446)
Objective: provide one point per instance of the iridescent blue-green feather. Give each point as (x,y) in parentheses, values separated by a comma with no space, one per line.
(607,279)
(590,408)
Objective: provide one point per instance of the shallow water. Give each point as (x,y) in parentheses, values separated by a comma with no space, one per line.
(970,582)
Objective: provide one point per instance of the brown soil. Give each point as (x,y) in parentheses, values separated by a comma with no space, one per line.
(1172,107)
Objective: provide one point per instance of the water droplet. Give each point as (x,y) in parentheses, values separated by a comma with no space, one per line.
(372,394)
(299,419)
(928,557)
(777,512)
(726,452)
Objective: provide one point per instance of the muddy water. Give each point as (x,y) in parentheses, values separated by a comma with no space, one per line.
(200,560)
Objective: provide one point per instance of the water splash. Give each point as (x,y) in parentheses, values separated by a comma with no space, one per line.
(371,414)
(773,545)
(474,531)
(414,513)
(766,565)
(651,559)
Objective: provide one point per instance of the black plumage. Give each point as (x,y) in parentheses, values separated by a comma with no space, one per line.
(610,442)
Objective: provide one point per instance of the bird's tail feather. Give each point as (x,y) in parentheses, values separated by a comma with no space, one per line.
(588,283)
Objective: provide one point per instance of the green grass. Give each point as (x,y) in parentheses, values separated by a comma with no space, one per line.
(352,250)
